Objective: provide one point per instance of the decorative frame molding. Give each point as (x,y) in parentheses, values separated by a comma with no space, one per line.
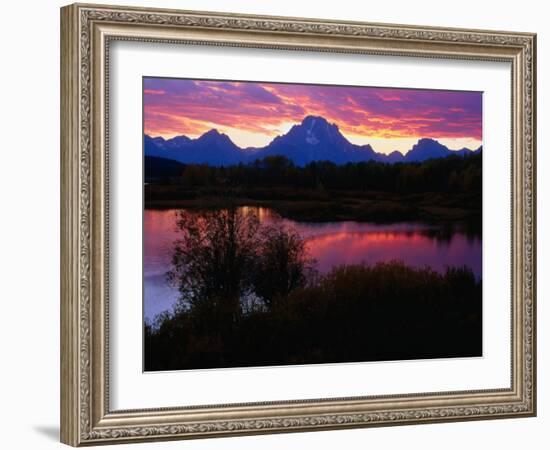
(86,31)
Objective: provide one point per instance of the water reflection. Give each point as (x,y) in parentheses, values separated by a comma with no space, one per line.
(330,243)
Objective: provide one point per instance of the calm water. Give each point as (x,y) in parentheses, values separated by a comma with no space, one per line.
(330,243)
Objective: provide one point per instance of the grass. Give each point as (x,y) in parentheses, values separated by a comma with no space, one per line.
(388,311)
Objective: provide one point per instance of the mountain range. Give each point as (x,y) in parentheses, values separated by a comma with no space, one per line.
(314,139)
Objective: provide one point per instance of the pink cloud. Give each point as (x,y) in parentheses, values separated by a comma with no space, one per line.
(181,106)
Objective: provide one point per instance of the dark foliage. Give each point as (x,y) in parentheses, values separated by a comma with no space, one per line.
(452,174)
(437,190)
(355,313)
(161,168)
(282,265)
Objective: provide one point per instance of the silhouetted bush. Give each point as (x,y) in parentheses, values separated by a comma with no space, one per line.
(282,265)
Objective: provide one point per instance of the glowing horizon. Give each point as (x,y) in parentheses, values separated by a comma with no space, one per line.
(252,114)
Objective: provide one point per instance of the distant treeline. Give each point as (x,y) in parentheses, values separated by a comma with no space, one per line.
(451,174)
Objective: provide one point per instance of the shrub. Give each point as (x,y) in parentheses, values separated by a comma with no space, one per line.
(388,311)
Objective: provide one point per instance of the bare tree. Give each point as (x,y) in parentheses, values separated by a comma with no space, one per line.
(225,259)
(214,258)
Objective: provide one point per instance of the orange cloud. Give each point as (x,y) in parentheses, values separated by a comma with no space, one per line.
(263,110)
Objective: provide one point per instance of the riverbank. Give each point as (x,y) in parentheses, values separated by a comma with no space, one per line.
(321,205)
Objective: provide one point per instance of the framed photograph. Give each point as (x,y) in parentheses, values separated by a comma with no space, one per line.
(275,224)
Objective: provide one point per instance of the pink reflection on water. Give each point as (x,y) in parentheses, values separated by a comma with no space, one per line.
(331,244)
(413,248)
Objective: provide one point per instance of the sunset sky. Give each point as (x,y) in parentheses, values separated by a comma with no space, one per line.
(253,113)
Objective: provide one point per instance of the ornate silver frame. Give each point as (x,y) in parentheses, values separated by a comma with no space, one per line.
(86,31)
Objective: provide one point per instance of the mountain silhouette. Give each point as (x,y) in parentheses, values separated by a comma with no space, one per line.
(317,140)
(314,139)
